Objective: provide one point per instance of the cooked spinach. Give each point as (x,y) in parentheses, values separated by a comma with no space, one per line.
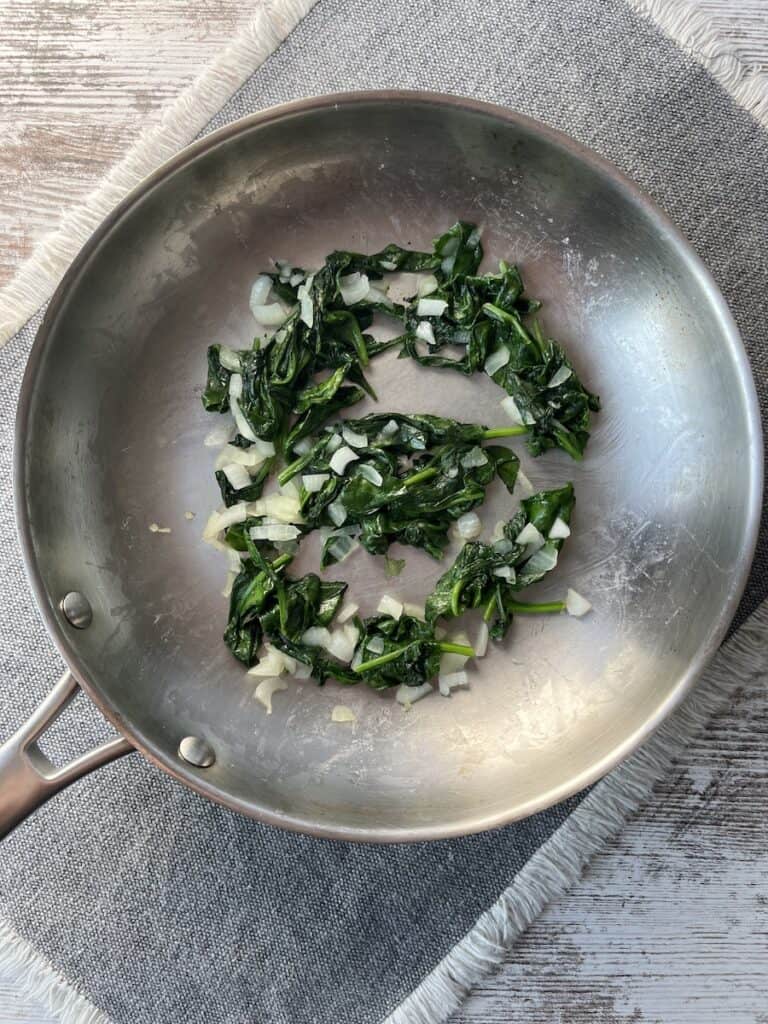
(490,576)
(407,651)
(411,478)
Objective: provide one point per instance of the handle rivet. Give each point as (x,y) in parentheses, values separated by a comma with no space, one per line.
(197,752)
(76,609)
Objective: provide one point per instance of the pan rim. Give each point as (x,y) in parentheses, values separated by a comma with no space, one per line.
(685,681)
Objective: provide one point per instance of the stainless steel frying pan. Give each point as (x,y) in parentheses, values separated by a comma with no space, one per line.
(110,431)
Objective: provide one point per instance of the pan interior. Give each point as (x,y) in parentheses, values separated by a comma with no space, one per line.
(662,523)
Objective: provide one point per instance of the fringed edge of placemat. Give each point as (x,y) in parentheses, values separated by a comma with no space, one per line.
(554,868)
(182,120)
(696,32)
(36,979)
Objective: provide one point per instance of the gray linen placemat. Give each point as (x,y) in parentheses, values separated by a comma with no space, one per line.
(161,907)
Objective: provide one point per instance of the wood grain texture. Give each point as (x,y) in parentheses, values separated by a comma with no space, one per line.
(670,923)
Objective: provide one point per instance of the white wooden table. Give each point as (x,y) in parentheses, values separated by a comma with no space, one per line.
(670,923)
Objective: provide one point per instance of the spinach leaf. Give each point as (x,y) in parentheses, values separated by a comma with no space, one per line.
(407,651)
(489,576)
(216,394)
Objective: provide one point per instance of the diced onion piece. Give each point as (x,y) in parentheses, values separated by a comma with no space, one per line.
(408,695)
(189,515)
(426,285)
(390,606)
(353,438)
(496,360)
(530,538)
(542,560)
(378,295)
(371,474)
(313,482)
(270,315)
(265,448)
(306,305)
(265,689)
(424,332)
(274,532)
(342,546)
(248,457)
(282,507)
(337,512)
(235,391)
(341,713)
(341,458)
(302,671)
(469,526)
(154,528)
(520,419)
(387,265)
(431,307)
(449,682)
(316,636)
(450,661)
(560,376)
(272,663)
(375,645)
(295,279)
(390,427)
(416,611)
(220,521)
(353,288)
(524,484)
(504,572)
(347,612)
(481,644)
(474,458)
(342,643)
(285,269)
(227,588)
(560,530)
(220,435)
(290,489)
(237,475)
(229,359)
(235,386)
(260,290)
(303,446)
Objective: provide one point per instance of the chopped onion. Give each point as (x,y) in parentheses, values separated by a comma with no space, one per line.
(431,307)
(265,689)
(387,265)
(303,446)
(451,662)
(524,484)
(220,521)
(389,606)
(425,332)
(274,532)
(260,290)
(530,538)
(316,636)
(353,438)
(481,644)
(469,526)
(281,506)
(416,611)
(371,474)
(271,315)
(334,443)
(302,671)
(227,588)
(375,645)
(504,546)
(496,360)
(341,713)
(342,546)
(235,391)
(189,515)
(296,278)
(347,612)
(390,427)
(248,457)
(285,269)
(520,419)
(265,448)
(560,376)
(560,530)
(290,489)
(426,286)
(229,359)
(504,572)
(341,458)
(307,306)
(154,528)
(313,482)
(235,386)
(342,643)
(353,288)
(475,457)
(237,475)
(542,560)
(451,472)
(449,682)
(337,512)
(222,434)
(378,295)
(273,663)
(408,695)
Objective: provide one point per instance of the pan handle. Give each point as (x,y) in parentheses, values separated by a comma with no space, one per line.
(27,776)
